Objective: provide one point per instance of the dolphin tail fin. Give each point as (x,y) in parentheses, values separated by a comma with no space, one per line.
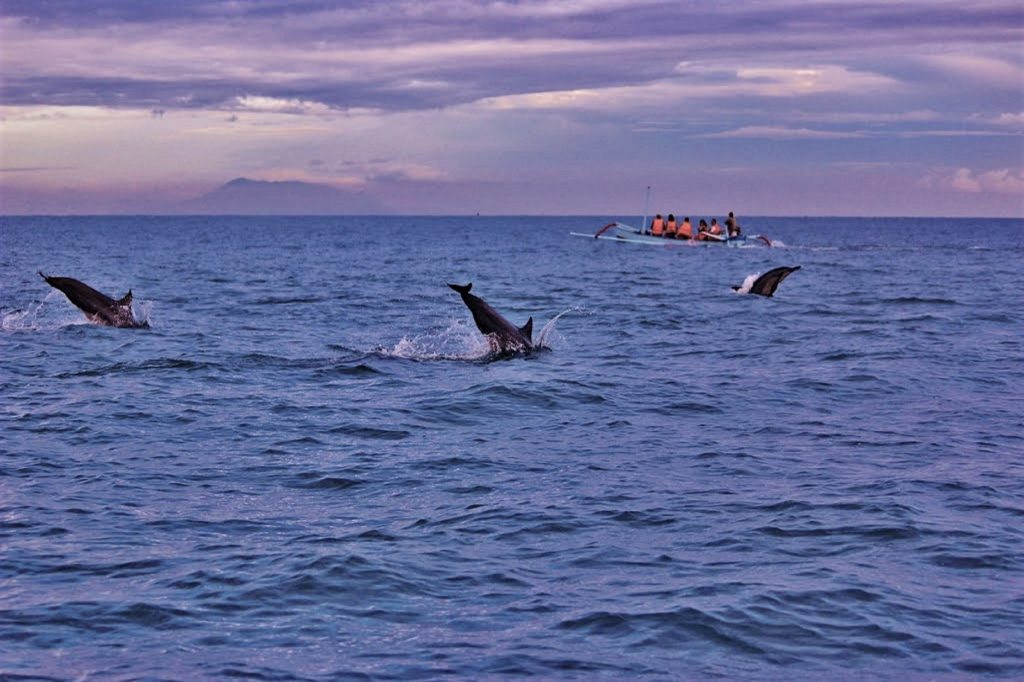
(527,329)
(462,288)
(127,300)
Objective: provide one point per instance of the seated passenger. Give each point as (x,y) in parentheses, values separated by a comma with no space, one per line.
(657,226)
(702,230)
(685,230)
(670,226)
(715,228)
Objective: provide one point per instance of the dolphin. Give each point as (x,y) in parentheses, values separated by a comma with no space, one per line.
(98,308)
(766,284)
(503,336)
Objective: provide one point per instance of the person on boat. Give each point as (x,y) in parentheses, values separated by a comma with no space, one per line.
(715,228)
(732,227)
(658,226)
(685,230)
(671,226)
(702,230)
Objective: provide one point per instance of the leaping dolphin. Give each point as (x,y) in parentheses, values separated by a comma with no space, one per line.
(766,284)
(98,308)
(503,336)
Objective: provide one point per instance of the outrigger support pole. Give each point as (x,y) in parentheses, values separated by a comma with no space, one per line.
(647,201)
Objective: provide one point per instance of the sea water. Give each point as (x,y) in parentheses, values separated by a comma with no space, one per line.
(310,468)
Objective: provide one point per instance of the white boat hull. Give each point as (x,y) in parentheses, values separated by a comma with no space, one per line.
(620,232)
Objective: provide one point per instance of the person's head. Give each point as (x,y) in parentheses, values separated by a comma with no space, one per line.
(714,221)
(686,219)
(731,215)
(671,216)
(657,215)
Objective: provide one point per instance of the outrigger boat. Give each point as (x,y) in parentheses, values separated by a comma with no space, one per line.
(621,232)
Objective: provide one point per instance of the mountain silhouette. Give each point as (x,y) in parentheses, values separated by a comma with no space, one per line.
(243,196)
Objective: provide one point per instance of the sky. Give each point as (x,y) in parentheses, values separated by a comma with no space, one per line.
(763,107)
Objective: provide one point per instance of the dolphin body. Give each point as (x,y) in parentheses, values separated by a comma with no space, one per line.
(766,284)
(98,307)
(503,336)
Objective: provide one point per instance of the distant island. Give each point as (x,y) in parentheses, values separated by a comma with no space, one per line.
(243,196)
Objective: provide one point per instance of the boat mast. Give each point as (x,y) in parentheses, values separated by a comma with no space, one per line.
(647,201)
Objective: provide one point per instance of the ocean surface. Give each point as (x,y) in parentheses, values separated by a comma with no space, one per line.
(309,467)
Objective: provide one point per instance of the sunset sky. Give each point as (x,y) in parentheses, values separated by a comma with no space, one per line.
(769,107)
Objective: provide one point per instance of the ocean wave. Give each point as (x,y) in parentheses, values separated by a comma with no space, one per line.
(351,486)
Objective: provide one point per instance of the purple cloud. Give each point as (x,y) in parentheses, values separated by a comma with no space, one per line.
(457,91)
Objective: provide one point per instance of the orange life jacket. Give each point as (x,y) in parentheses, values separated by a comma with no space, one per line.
(670,227)
(685,231)
(657,227)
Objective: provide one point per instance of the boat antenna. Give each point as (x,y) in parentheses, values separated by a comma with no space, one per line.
(647,202)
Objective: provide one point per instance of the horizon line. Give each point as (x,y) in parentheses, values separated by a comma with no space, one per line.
(597,216)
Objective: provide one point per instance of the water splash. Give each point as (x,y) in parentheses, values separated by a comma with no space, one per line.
(42,316)
(747,283)
(143,311)
(32,318)
(460,341)
(17,320)
(548,334)
(455,342)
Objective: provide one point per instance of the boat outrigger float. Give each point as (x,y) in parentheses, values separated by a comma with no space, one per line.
(621,232)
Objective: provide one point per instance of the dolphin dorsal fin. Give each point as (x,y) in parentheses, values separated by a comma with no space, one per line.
(527,329)
(127,300)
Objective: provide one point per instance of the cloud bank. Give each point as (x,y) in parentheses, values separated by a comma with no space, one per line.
(598,93)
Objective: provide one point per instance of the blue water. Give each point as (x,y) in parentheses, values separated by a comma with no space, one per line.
(308,468)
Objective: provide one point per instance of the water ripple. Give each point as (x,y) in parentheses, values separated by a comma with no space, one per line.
(311,468)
